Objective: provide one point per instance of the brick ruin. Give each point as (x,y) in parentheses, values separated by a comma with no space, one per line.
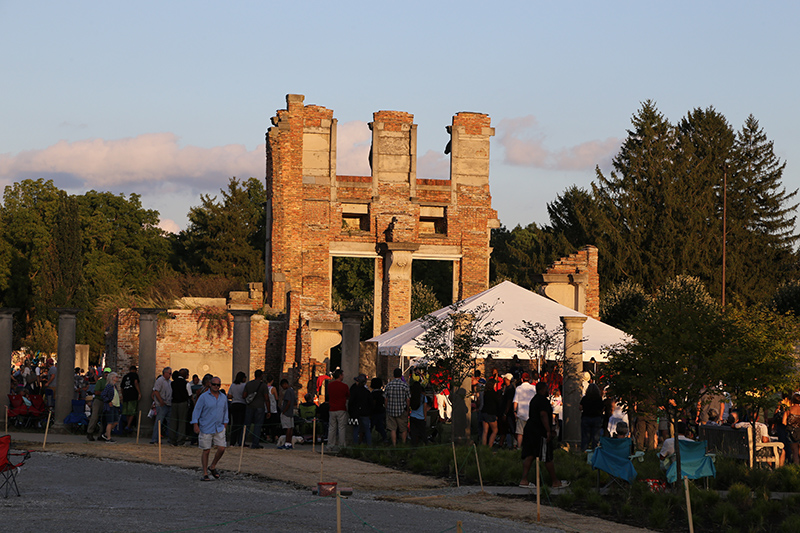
(391,217)
(573,281)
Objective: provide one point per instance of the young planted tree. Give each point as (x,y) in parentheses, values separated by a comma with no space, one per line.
(759,361)
(676,352)
(541,342)
(452,341)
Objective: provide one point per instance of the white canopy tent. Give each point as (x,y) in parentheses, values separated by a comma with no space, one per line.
(513,304)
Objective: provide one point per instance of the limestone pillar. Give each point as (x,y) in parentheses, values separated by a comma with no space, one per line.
(148,329)
(241,341)
(397,285)
(573,364)
(6,336)
(65,376)
(351,337)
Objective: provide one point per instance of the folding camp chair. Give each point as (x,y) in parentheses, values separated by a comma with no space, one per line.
(9,469)
(78,416)
(17,410)
(37,411)
(614,457)
(695,462)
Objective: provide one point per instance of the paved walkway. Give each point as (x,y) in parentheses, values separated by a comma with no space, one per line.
(302,469)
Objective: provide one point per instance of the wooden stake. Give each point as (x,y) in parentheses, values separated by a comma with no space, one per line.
(338,512)
(321,455)
(480,477)
(6,419)
(159,441)
(688,504)
(313,435)
(459,529)
(455,462)
(241,451)
(46,428)
(138,426)
(538,493)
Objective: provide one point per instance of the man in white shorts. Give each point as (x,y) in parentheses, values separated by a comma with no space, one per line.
(210,419)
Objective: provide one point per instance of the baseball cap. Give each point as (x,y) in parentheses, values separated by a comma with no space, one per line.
(508,376)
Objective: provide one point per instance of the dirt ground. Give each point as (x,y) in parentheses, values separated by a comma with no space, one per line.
(304,469)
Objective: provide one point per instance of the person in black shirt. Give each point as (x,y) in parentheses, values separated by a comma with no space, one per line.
(130,397)
(591,417)
(537,438)
(489,412)
(179,414)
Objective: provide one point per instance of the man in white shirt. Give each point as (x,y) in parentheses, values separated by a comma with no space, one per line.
(522,400)
(667,453)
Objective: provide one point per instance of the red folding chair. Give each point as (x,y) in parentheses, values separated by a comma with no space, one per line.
(9,469)
(17,410)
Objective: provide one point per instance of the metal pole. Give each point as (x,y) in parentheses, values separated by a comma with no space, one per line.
(724,226)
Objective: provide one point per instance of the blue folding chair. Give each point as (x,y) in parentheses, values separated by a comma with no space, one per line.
(613,456)
(695,462)
(77,417)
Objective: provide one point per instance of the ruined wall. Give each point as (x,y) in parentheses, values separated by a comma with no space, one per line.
(391,217)
(183,343)
(573,281)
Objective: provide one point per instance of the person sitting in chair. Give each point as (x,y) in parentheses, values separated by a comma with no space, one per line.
(667,453)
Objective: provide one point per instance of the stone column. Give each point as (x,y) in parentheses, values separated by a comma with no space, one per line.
(241,341)
(397,285)
(65,376)
(351,344)
(573,352)
(6,336)
(148,329)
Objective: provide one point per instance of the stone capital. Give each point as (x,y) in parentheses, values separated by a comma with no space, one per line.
(67,311)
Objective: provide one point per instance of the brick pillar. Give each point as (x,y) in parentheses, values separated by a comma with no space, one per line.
(241,341)
(397,285)
(148,331)
(6,337)
(573,351)
(65,377)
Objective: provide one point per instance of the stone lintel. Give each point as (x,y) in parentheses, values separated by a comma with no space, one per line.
(398,247)
(582,277)
(352,249)
(320,325)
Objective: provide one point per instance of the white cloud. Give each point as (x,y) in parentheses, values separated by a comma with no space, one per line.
(433,164)
(353,140)
(148,158)
(524,146)
(169,225)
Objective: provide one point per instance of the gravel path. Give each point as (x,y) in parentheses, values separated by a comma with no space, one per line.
(71,493)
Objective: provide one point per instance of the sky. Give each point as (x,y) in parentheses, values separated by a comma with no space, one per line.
(169,100)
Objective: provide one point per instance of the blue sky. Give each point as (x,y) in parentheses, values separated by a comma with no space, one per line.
(171,99)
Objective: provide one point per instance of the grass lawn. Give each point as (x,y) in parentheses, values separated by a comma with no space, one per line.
(739,499)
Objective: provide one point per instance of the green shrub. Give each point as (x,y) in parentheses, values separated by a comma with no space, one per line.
(659,514)
(739,495)
(725,514)
(791,524)
(566,500)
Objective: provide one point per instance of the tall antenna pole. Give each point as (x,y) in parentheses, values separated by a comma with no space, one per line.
(724,225)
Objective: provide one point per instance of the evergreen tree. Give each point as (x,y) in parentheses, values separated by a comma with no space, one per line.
(522,254)
(640,205)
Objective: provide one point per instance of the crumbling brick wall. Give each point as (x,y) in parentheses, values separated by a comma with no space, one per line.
(584,261)
(390,216)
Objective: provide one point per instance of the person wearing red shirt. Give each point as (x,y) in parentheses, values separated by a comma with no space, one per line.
(338,394)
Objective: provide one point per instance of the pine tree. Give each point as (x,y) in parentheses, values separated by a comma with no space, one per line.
(639,205)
